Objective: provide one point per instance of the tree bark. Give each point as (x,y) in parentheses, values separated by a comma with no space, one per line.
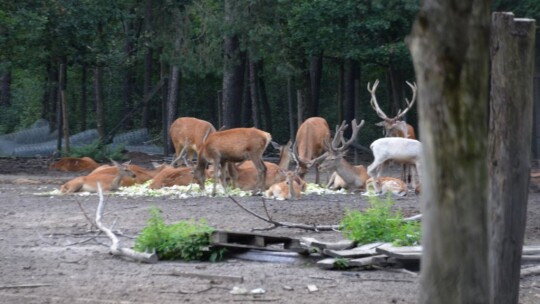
(63,103)
(253,90)
(449,44)
(98,96)
(349,100)
(148,61)
(395,88)
(84,97)
(5,96)
(233,72)
(512,71)
(316,66)
(171,106)
(247,108)
(267,113)
(290,104)
(128,80)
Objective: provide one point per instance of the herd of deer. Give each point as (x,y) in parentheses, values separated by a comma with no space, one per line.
(235,157)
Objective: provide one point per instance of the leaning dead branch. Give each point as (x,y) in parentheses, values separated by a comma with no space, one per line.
(115,248)
(276,224)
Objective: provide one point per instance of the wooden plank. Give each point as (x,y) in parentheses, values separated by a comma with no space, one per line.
(531,250)
(405,252)
(326,263)
(367,261)
(340,245)
(357,252)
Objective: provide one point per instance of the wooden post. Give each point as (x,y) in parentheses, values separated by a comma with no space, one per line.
(449,45)
(510,133)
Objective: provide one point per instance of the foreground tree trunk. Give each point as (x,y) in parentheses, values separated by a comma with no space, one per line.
(449,45)
(512,70)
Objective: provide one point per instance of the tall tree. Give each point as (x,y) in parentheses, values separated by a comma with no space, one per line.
(450,49)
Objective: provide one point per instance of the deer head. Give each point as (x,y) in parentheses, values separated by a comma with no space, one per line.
(393,127)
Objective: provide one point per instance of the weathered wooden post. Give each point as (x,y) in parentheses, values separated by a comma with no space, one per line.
(449,44)
(510,133)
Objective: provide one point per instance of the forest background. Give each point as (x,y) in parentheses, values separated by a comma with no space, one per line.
(127,64)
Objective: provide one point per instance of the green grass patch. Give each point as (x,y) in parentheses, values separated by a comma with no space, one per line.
(184,240)
(380,224)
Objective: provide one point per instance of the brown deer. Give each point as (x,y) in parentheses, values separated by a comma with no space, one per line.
(289,189)
(385,184)
(354,177)
(246,173)
(108,181)
(233,145)
(395,127)
(74,164)
(142,175)
(189,130)
(309,144)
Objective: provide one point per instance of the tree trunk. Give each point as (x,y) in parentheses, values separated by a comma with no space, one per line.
(349,100)
(395,89)
(127,86)
(148,62)
(300,107)
(98,95)
(341,91)
(290,104)
(5,96)
(233,72)
(171,106)
(267,113)
(53,94)
(62,80)
(84,97)
(450,48)
(316,64)
(512,72)
(247,108)
(536,103)
(253,90)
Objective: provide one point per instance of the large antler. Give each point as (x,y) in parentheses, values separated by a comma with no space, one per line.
(409,104)
(373,100)
(338,136)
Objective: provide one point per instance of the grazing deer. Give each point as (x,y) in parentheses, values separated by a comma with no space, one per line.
(108,181)
(289,189)
(395,127)
(385,184)
(233,145)
(397,149)
(333,159)
(190,131)
(246,173)
(74,164)
(309,144)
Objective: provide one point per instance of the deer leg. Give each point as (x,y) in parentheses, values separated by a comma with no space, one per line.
(316,174)
(217,171)
(261,173)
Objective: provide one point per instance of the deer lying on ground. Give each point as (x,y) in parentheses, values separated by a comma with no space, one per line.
(190,130)
(246,173)
(383,185)
(108,181)
(289,189)
(74,164)
(398,149)
(309,144)
(354,178)
(233,145)
(141,175)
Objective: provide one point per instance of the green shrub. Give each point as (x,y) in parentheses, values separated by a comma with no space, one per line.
(379,224)
(98,152)
(184,240)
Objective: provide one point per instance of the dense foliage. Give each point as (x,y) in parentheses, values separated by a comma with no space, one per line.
(380,224)
(185,240)
(116,52)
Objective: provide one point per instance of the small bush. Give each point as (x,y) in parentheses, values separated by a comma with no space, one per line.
(98,152)
(184,240)
(379,224)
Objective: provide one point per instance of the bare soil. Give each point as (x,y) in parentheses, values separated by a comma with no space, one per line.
(49,256)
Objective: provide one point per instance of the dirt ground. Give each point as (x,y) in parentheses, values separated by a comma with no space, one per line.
(48,255)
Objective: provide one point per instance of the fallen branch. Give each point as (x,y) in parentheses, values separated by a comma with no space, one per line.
(277,224)
(115,248)
(211,277)
(24,286)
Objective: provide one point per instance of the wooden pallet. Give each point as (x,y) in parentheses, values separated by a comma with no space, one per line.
(244,241)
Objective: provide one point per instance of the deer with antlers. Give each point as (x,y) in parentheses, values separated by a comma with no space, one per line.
(310,144)
(354,177)
(395,127)
(109,181)
(189,130)
(233,145)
